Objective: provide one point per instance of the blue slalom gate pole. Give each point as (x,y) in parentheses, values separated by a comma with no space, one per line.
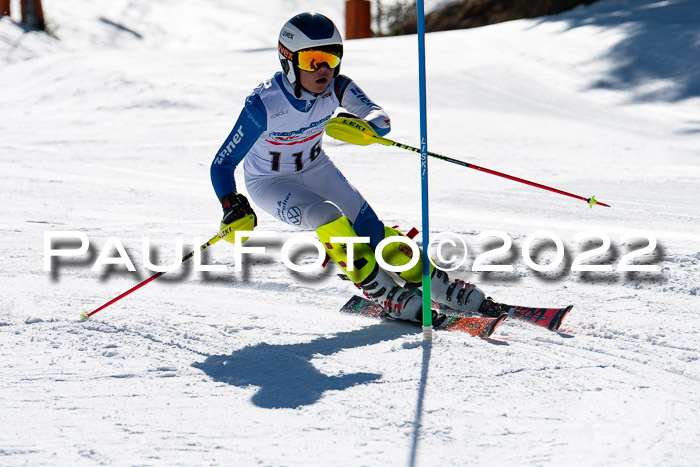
(427,302)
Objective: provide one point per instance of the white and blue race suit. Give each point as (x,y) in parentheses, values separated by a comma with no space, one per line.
(287,172)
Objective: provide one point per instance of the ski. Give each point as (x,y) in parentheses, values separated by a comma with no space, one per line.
(549,318)
(477,326)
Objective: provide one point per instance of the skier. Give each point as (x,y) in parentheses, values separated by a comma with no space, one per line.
(288,174)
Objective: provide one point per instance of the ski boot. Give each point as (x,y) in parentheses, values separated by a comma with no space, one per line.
(399,302)
(493,309)
(458,295)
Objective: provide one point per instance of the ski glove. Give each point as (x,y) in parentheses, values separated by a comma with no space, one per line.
(347,115)
(236,206)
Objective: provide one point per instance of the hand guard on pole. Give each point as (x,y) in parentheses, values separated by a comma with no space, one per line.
(238,215)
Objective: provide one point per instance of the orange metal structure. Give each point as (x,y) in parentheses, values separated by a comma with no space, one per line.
(357,19)
(4,7)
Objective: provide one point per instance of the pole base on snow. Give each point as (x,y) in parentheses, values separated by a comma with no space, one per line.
(428,333)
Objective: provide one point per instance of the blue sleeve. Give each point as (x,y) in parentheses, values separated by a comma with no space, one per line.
(381,131)
(341,84)
(367,224)
(355,101)
(250,125)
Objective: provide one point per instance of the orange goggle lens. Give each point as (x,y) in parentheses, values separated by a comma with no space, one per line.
(310,60)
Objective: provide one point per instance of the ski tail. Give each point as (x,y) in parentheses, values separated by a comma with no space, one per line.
(361,306)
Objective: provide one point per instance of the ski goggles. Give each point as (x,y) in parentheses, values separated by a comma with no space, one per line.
(311,59)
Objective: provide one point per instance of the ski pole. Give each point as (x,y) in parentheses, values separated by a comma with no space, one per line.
(85,315)
(224,233)
(357,131)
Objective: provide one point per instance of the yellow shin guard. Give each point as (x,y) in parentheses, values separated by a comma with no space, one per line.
(363,256)
(399,254)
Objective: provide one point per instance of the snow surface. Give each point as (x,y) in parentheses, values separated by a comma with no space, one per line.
(109,127)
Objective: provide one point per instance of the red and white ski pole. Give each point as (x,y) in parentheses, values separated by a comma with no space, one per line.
(357,131)
(85,315)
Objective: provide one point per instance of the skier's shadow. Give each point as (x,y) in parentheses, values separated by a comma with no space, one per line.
(284,373)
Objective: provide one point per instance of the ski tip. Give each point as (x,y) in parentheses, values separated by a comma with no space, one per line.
(559,318)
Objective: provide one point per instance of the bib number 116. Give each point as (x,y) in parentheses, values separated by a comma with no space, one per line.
(297,157)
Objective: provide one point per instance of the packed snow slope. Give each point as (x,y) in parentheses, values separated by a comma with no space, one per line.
(108,128)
